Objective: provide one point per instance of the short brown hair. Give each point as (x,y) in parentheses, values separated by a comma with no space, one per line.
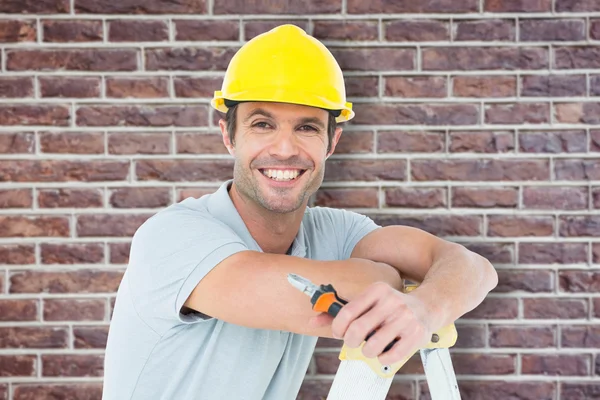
(231,118)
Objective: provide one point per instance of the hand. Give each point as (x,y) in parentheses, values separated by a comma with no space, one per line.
(393,314)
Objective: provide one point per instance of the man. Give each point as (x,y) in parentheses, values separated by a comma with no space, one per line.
(205,310)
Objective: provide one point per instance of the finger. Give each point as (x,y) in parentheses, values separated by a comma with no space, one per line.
(360,328)
(356,307)
(405,347)
(385,335)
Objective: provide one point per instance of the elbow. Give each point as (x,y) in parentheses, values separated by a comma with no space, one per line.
(489,278)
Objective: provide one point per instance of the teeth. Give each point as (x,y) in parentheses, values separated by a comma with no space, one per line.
(281,175)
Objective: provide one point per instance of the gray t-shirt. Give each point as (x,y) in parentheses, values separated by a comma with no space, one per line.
(155,351)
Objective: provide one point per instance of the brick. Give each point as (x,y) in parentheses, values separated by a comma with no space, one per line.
(551,29)
(184,170)
(14,143)
(479,170)
(517,113)
(84,253)
(570,141)
(517,5)
(442,225)
(355,142)
(419,30)
(207,30)
(256,27)
(549,198)
(577,5)
(72,365)
(71,60)
(407,6)
(588,225)
(276,7)
(140,197)
(72,31)
(419,86)
(63,170)
(23,114)
(196,87)
(137,31)
(578,169)
(365,170)
(521,336)
(80,281)
(200,143)
(484,197)
(345,30)
(484,364)
(470,336)
(507,389)
(116,225)
(485,30)
(134,7)
(17,365)
(571,57)
(484,58)
(580,336)
(79,391)
(74,310)
(594,141)
(596,307)
(495,308)
(184,193)
(150,115)
(410,141)
(417,114)
(13,31)
(596,253)
(362,86)
(72,142)
(555,308)
(532,281)
(347,198)
(188,59)
(76,87)
(579,390)
(34,226)
(586,113)
(553,85)
(16,198)
(35,7)
(496,253)
(70,198)
(416,197)
(16,87)
(15,254)
(482,142)
(596,198)
(139,143)
(513,226)
(90,337)
(579,281)
(314,389)
(330,343)
(119,253)
(375,58)
(484,86)
(552,253)
(33,337)
(137,87)
(18,310)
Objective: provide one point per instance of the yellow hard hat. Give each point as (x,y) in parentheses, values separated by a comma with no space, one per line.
(285,65)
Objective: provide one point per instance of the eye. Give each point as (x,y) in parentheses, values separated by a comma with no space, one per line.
(308,128)
(261,125)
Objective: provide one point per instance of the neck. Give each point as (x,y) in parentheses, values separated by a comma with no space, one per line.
(274,232)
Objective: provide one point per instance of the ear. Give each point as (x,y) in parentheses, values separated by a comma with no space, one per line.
(334,142)
(225,134)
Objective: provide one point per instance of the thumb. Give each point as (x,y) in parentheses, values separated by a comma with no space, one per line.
(323,319)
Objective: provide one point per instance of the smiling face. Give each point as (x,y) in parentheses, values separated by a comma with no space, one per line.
(280,151)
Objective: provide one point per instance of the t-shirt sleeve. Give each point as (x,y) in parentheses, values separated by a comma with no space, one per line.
(170,254)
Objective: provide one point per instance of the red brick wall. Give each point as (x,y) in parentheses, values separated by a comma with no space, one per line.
(478,120)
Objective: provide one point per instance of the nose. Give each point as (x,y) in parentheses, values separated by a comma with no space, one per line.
(284,145)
